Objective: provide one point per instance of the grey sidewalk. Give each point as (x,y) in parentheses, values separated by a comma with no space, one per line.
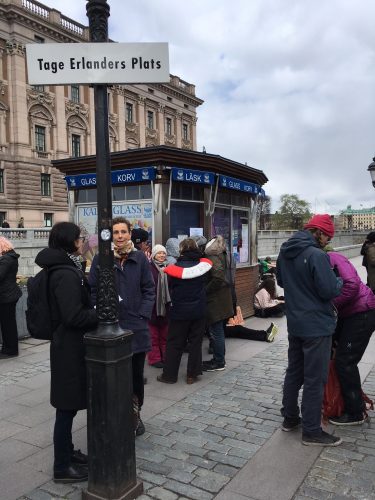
(219,438)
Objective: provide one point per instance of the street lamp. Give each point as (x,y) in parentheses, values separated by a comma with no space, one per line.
(110,433)
(371,169)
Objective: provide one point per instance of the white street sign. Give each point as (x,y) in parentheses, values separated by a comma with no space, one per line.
(66,63)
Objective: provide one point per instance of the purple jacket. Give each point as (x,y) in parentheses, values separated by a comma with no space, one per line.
(355,296)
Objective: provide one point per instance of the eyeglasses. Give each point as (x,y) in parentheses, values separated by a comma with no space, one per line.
(82,238)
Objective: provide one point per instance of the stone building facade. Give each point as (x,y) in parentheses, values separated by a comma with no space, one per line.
(43,123)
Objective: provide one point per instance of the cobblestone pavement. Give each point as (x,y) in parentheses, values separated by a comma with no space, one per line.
(194,448)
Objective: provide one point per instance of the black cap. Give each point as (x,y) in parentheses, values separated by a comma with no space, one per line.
(139,235)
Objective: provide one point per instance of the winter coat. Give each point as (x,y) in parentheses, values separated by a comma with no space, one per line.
(369,258)
(173,252)
(157,320)
(218,289)
(188,295)
(9,290)
(309,283)
(73,316)
(355,296)
(263,300)
(136,290)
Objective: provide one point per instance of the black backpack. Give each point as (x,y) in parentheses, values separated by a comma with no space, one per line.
(38,314)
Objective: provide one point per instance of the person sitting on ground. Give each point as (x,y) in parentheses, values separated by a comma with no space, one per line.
(266,303)
(267,266)
(239,331)
(356,323)
(187,315)
(158,323)
(368,252)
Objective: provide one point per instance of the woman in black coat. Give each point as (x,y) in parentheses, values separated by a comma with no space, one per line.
(10,292)
(72,316)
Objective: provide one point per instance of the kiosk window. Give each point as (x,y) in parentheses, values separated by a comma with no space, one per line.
(86,196)
(145,192)
(185,215)
(233,225)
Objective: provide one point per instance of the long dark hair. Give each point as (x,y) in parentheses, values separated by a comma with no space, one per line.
(270,285)
(63,236)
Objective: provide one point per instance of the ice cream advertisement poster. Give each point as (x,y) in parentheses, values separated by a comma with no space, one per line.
(138,214)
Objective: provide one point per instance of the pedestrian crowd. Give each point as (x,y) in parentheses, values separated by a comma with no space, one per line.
(172,296)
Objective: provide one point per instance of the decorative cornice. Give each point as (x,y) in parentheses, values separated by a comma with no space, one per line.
(77,108)
(151,133)
(170,139)
(37,97)
(14,47)
(3,86)
(131,128)
(113,120)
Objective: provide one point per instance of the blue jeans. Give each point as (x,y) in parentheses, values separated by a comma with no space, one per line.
(308,361)
(218,337)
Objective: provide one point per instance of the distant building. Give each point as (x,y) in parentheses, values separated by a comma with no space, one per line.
(43,123)
(361,219)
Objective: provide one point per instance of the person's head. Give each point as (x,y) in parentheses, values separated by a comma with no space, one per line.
(216,246)
(21,219)
(269,285)
(5,245)
(322,228)
(371,237)
(159,253)
(187,245)
(140,238)
(201,242)
(66,236)
(121,232)
(268,259)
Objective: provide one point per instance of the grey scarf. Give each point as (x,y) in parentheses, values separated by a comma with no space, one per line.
(162,290)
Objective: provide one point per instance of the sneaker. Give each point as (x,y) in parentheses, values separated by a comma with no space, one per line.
(322,439)
(212,366)
(290,424)
(271,332)
(347,419)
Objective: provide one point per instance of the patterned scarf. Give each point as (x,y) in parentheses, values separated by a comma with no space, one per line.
(162,290)
(77,260)
(123,253)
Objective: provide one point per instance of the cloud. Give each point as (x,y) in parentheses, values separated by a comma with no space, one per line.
(289,87)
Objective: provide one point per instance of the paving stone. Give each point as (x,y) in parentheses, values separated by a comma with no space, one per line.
(209,480)
(162,494)
(188,490)
(178,465)
(151,478)
(181,476)
(202,462)
(225,459)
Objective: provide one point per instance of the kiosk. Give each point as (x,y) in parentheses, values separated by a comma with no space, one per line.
(175,193)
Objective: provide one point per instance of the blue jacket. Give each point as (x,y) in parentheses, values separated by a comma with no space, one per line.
(309,283)
(136,290)
(188,295)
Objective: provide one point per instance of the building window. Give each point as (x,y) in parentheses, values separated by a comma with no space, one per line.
(1,180)
(3,216)
(150,119)
(45,184)
(129,112)
(74,93)
(48,220)
(168,126)
(76,145)
(40,138)
(185,131)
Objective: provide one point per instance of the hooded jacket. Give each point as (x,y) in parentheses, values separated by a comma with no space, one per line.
(218,288)
(173,252)
(9,290)
(71,306)
(310,284)
(355,296)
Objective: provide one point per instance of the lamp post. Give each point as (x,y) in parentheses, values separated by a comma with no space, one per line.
(110,432)
(371,169)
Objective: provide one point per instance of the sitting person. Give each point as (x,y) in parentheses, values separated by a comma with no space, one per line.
(238,331)
(266,302)
(266,266)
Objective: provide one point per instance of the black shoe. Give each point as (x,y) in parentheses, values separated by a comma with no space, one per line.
(77,457)
(161,378)
(158,364)
(321,439)
(140,428)
(75,473)
(212,366)
(3,355)
(290,424)
(347,419)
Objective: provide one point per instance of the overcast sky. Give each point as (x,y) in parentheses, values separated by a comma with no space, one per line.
(289,86)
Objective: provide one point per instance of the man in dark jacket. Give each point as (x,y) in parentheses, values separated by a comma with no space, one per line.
(310,284)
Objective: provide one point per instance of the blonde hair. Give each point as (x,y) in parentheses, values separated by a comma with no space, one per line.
(5,245)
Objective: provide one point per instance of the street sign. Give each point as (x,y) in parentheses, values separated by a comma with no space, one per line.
(97,63)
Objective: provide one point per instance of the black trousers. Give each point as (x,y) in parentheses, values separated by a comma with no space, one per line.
(179,333)
(353,334)
(138,366)
(9,328)
(62,438)
(241,332)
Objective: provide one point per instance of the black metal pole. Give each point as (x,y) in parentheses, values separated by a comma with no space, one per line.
(110,433)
